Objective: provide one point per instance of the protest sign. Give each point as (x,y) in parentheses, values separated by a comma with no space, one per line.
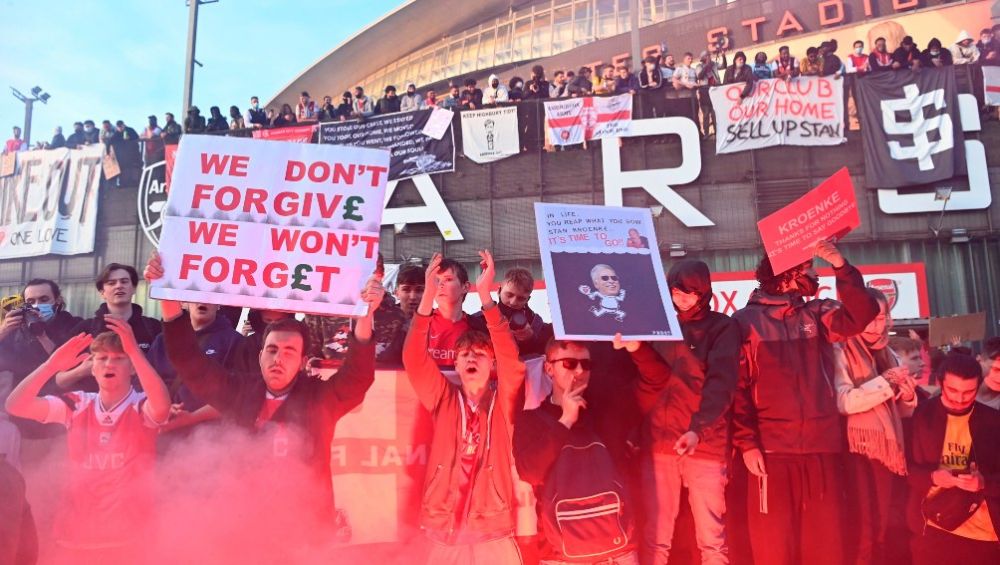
(575,120)
(828,211)
(439,122)
(803,111)
(279,226)
(967,328)
(490,135)
(603,273)
(413,152)
(49,204)
(8,164)
(298,134)
(110,164)
(991,85)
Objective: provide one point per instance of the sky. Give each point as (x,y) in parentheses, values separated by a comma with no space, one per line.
(124,60)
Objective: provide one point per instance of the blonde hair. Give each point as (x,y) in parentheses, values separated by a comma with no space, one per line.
(107,341)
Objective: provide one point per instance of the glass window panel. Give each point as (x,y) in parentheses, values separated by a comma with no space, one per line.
(702,4)
(454,57)
(469,52)
(521,44)
(624,17)
(562,28)
(605,18)
(439,63)
(424,69)
(678,7)
(583,22)
(487,42)
(503,44)
(541,35)
(653,11)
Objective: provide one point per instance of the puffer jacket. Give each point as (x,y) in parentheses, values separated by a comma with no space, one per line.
(694,391)
(489,513)
(786,401)
(496,95)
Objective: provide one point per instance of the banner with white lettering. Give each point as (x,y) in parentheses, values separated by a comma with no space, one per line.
(298,134)
(49,204)
(490,135)
(272,225)
(604,274)
(911,127)
(806,111)
(991,85)
(413,151)
(574,120)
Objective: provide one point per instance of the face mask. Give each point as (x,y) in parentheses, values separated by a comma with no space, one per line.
(88,129)
(808,286)
(859,50)
(935,53)
(46,311)
(256,106)
(739,64)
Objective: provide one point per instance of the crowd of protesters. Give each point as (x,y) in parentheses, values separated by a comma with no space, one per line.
(657,80)
(799,424)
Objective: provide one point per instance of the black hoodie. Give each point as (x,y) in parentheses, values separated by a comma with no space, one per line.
(693,389)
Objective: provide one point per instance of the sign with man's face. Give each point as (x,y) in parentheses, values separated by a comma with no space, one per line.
(602,278)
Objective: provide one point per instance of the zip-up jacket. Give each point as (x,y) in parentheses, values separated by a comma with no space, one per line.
(786,401)
(489,513)
(694,391)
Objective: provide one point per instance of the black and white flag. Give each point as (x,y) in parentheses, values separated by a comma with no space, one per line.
(911,127)
(491,134)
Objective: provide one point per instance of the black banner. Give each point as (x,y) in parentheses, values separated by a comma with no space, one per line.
(413,153)
(911,127)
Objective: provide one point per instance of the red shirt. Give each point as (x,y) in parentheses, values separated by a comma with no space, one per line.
(109,496)
(443,335)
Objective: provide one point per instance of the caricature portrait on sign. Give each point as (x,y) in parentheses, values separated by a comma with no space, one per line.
(601,275)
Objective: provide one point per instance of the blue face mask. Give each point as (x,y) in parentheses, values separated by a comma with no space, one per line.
(46,311)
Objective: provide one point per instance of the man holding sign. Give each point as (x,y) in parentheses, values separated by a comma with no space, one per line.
(284,405)
(785,415)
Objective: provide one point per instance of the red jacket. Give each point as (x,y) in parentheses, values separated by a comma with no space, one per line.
(490,510)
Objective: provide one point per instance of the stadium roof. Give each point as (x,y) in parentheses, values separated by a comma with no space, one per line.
(400,32)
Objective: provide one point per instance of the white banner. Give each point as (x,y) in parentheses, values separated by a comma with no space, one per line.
(991,85)
(490,135)
(49,204)
(273,225)
(575,120)
(603,273)
(801,111)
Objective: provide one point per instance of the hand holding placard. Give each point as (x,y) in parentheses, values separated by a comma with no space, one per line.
(827,212)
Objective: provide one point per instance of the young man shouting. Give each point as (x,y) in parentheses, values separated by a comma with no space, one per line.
(112,437)
(467,506)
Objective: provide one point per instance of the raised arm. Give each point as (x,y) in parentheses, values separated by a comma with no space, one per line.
(856,308)
(427,380)
(357,374)
(157,404)
(510,369)
(24,402)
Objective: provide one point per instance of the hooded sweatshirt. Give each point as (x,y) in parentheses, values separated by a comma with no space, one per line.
(410,102)
(690,385)
(964,55)
(497,94)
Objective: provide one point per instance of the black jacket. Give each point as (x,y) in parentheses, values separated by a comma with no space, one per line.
(75,139)
(194,123)
(387,105)
(312,406)
(145,329)
(22,354)
(702,403)
(786,401)
(925,442)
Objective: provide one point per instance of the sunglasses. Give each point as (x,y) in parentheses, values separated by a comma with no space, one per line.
(607,278)
(570,363)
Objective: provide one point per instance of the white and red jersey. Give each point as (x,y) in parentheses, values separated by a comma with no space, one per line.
(109,493)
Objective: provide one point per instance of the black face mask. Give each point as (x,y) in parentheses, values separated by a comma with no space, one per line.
(808,286)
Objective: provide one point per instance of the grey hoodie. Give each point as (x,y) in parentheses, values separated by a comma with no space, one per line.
(410,102)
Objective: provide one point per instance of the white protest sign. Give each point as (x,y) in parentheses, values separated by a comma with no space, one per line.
(603,273)
(801,111)
(49,203)
(490,135)
(437,124)
(273,225)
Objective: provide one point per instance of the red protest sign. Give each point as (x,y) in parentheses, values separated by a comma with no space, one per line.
(828,211)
